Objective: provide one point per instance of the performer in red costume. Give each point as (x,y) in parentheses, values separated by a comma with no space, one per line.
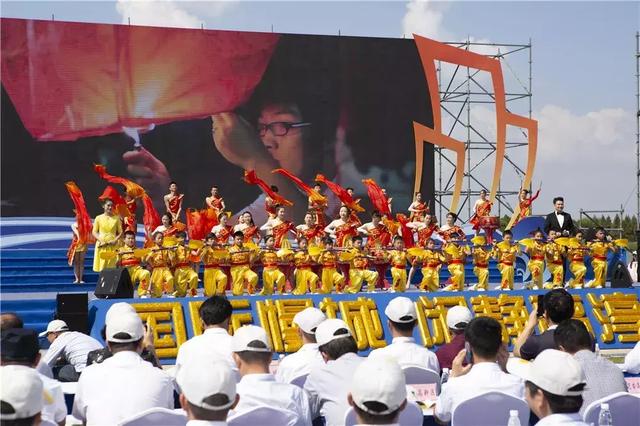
(173,201)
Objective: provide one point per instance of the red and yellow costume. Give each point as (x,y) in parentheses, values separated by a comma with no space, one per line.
(455,256)
(250,233)
(525,206)
(175,204)
(240,258)
(305,278)
(424,234)
(280,232)
(555,265)
(75,247)
(419,209)
(431,263)
(599,251)
(317,207)
(129,221)
(345,232)
(505,254)
(184,277)
(536,263)
(222,233)
(215,280)
(127,259)
(160,260)
(358,273)
(272,277)
(217,204)
(311,233)
(575,255)
(378,236)
(330,276)
(481,258)
(270,207)
(398,259)
(453,232)
(482,208)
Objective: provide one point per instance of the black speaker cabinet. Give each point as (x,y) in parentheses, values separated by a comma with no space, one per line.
(620,277)
(114,284)
(72,308)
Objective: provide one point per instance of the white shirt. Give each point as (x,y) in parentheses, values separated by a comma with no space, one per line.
(299,363)
(632,360)
(406,352)
(560,218)
(483,377)
(216,342)
(120,387)
(206,423)
(572,419)
(328,387)
(262,389)
(73,346)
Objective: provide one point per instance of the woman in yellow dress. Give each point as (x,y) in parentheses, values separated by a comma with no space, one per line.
(107,230)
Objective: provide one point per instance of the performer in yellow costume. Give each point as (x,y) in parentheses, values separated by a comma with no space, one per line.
(272,277)
(536,251)
(398,259)
(431,263)
(184,277)
(128,259)
(481,257)
(599,248)
(505,252)
(305,278)
(215,280)
(241,258)
(455,256)
(160,260)
(555,261)
(358,271)
(575,254)
(329,262)
(107,230)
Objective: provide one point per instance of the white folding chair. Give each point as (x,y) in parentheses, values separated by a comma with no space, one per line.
(624,407)
(489,409)
(264,415)
(410,416)
(415,375)
(156,416)
(299,381)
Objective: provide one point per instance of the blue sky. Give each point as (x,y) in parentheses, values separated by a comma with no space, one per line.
(583,65)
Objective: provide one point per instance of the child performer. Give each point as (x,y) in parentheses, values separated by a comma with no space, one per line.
(160,260)
(127,259)
(598,249)
(184,277)
(431,264)
(481,257)
(329,262)
(455,256)
(505,252)
(398,259)
(305,278)
(575,255)
(358,271)
(241,258)
(272,277)
(555,262)
(215,280)
(536,254)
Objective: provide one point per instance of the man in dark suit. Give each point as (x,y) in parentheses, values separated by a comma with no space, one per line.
(559,221)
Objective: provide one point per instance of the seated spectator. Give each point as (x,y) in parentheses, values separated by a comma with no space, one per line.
(125,384)
(12,320)
(252,354)
(558,307)
(486,372)
(329,385)
(554,384)
(457,319)
(603,377)
(69,348)
(208,392)
(21,350)
(378,392)
(21,393)
(401,319)
(215,314)
(308,356)
(632,360)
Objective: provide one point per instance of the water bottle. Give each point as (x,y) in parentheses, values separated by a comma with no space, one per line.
(514,420)
(604,418)
(445,375)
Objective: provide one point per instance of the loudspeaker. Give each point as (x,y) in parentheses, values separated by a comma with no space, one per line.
(620,277)
(73,308)
(114,284)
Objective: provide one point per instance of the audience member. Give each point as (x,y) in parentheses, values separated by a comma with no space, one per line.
(329,385)
(554,384)
(208,392)
(125,384)
(12,320)
(258,387)
(485,373)
(378,392)
(632,360)
(20,349)
(401,319)
(21,393)
(70,348)
(457,319)
(308,356)
(558,306)
(603,377)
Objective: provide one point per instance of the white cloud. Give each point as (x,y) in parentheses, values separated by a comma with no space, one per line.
(424,18)
(159,13)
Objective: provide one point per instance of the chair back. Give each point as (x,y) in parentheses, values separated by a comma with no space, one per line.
(410,416)
(299,381)
(489,409)
(157,416)
(415,375)
(264,415)
(624,407)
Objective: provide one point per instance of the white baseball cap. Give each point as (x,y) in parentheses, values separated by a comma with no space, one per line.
(379,380)
(21,388)
(331,329)
(55,326)
(202,378)
(458,317)
(309,319)
(130,325)
(247,334)
(119,308)
(401,309)
(554,371)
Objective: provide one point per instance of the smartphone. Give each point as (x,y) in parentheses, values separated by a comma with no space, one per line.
(540,307)
(468,356)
